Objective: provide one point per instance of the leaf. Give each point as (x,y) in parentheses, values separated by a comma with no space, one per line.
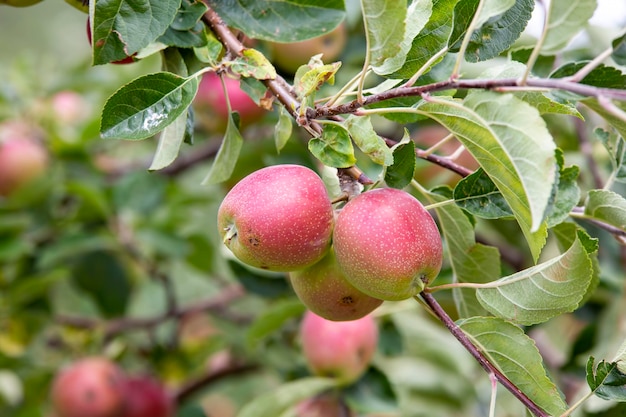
(619,50)
(616,147)
(227,155)
(311,80)
(192,38)
(504,23)
(334,147)
(365,137)
(273,403)
(372,393)
(511,142)
(566,193)
(401,172)
(516,356)
(272,319)
(170,140)
(478,195)
(567,18)
(606,380)
(146,105)
(281,20)
(121,28)
(432,39)
(470,261)
(543,291)
(390,40)
(606,206)
(283,129)
(253,63)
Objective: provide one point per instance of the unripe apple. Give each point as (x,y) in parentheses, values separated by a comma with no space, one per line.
(147,397)
(91,387)
(278,218)
(290,56)
(19,3)
(212,109)
(22,159)
(323,289)
(387,244)
(327,404)
(338,349)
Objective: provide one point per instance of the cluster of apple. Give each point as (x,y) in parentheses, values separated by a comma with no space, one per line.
(95,386)
(382,245)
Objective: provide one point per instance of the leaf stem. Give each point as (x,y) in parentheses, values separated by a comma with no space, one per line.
(431,61)
(577,404)
(456,331)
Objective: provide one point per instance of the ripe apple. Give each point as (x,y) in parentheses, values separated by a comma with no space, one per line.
(327,404)
(127,60)
(22,159)
(90,387)
(387,244)
(339,349)
(210,103)
(147,397)
(278,218)
(290,56)
(323,288)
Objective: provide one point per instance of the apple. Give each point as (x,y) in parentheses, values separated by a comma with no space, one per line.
(323,289)
(278,218)
(127,60)
(90,387)
(20,3)
(387,244)
(22,159)
(338,349)
(210,103)
(147,397)
(327,404)
(68,107)
(290,56)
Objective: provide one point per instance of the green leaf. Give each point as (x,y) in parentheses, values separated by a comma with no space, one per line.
(281,20)
(601,76)
(170,140)
(619,50)
(311,80)
(146,105)
(432,39)
(541,292)
(253,63)
(400,173)
(606,380)
(272,319)
(616,147)
(121,28)
(283,129)
(372,393)
(470,261)
(365,137)
(192,38)
(211,52)
(391,28)
(334,147)
(617,122)
(511,142)
(606,206)
(464,12)
(478,195)
(516,356)
(566,193)
(273,403)
(227,155)
(567,18)
(503,24)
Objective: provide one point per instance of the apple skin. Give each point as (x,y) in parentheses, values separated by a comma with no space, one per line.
(290,56)
(90,387)
(387,244)
(147,397)
(323,289)
(210,103)
(338,349)
(278,218)
(22,159)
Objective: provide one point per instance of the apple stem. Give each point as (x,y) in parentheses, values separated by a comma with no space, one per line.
(458,333)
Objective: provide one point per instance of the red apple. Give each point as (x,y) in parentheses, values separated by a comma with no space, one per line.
(22,159)
(278,218)
(147,397)
(212,109)
(323,288)
(387,244)
(339,349)
(90,387)
(127,60)
(290,56)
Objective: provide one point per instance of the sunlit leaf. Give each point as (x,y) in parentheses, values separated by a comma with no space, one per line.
(146,105)
(541,292)
(334,147)
(608,207)
(567,18)
(170,140)
(226,158)
(367,140)
(516,356)
(312,79)
(253,63)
